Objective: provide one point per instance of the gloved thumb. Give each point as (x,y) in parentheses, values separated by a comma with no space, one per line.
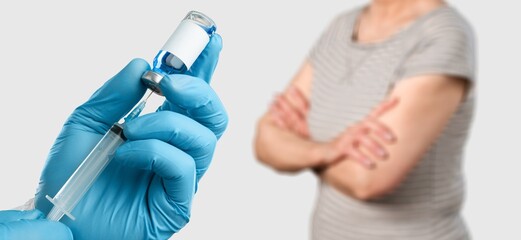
(113,100)
(15,215)
(205,65)
(31,225)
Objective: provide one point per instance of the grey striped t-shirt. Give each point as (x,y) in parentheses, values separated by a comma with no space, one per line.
(349,80)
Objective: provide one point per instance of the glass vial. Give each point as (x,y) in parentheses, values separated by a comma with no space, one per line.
(181,49)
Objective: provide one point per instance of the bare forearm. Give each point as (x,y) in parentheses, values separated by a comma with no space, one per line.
(348,177)
(425,107)
(352,179)
(284,150)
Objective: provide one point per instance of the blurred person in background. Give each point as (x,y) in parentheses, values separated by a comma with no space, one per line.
(380,110)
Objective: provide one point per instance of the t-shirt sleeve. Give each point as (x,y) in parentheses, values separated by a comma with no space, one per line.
(446,49)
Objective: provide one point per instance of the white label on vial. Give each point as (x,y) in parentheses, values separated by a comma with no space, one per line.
(187,42)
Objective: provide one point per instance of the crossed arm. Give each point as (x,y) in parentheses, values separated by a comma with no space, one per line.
(399,133)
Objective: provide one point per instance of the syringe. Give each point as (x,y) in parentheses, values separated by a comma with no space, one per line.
(89,170)
(177,56)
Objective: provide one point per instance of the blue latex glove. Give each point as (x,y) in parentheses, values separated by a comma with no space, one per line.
(31,225)
(146,191)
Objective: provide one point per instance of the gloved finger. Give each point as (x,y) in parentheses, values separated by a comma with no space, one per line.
(204,66)
(175,167)
(35,230)
(198,99)
(179,131)
(167,106)
(15,215)
(113,100)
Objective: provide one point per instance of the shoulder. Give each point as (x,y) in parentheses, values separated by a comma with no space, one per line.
(442,42)
(446,23)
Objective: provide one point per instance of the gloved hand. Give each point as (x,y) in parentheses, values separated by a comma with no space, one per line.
(31,225)
(146,190)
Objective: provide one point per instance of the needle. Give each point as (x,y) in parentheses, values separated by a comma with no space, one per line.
(137,109)
(150,94)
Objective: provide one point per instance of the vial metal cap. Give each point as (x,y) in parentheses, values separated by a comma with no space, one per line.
(152,79)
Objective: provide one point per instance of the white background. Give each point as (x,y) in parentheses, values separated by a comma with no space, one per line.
(54,54)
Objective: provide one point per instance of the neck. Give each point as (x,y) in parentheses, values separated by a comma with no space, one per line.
(384,8)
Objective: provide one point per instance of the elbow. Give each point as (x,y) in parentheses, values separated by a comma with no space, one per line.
(280,149)
(259,150)
(264,159)
(262,155)
(261,144)
(264,150)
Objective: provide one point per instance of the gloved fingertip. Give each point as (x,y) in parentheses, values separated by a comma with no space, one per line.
(32,214)
(133,70)
(36,213)
(216,42)
(137,64)
(128,78)
(173,83)
(186,91)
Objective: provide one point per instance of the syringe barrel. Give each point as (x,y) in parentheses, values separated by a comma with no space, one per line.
(85,175)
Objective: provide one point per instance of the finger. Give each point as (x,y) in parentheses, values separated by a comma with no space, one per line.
(206,63)
(167,106)
(276,115)
(302,129)
(290,116)
(293,107)
(298,101)
(15,215)
(203,68)
(372,146)
(380,130)
(278,122)
(347,137)
(198,99)
(113,100)
(353,152)
(384,107)
(175,167)
(284,110)
(179,131)
(35,230)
